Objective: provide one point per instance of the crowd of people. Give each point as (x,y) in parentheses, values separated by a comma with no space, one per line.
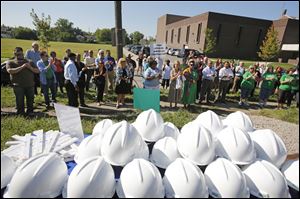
(193,81)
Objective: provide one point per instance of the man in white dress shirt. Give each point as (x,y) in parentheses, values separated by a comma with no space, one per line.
(71,79)
(225,75)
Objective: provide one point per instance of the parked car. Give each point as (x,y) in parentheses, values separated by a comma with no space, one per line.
(197,53)
(176,51)
(128,47)
(136,49)
(145,50)
(170,51)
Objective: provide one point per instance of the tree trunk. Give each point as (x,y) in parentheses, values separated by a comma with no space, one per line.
(118,29)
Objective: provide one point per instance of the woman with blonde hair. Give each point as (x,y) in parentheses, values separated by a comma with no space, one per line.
(176,84)
(123,76)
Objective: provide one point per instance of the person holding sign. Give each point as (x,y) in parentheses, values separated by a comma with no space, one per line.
(152,76)
(190,84)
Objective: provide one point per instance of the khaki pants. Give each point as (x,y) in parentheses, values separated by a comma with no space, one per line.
(110,75)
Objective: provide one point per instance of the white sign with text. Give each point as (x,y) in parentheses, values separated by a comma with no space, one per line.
(69,120)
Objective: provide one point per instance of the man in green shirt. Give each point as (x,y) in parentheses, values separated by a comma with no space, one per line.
(247,85)
(267,86)
(22,77)
(285,88)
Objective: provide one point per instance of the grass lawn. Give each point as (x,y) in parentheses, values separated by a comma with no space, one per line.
(247,63)
(8,45)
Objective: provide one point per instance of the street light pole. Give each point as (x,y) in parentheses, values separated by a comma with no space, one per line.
(118,29)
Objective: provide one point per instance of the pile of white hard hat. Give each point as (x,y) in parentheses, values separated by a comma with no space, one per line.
(208,156)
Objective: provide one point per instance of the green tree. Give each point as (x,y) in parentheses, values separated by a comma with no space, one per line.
(136,37)
(103,35)
(64,30)
(24,33)
(270,47)
(42,26)
(210,41)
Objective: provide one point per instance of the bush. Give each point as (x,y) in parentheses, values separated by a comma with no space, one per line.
(24,33)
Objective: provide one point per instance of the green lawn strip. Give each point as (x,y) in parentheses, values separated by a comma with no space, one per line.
(8,45)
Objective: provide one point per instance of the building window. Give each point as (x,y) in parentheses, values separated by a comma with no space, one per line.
(199,32)
(166,39)
(218,33)
(239,35)
(258,37)
(178,38)
(172,34)
(187,34)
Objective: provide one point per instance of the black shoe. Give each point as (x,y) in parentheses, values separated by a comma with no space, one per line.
(83,105)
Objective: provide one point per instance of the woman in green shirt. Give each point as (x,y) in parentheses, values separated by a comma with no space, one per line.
(285,88)
(247,85)
(267,86)
(190,84)
(294,88)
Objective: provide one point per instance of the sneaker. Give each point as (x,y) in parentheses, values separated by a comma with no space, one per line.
(241,103)
(84,105)
(98,104)
(117,106)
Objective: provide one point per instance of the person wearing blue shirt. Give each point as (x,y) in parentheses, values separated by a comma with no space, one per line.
(47,77)
(110,64)
(152,76)
(71,79)
(34,56)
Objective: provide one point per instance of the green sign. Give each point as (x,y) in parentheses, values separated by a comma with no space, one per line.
(145,99)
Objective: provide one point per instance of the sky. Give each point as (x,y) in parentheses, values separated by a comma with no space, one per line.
(136,15)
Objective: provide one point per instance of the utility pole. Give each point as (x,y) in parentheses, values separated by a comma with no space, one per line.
(118,29)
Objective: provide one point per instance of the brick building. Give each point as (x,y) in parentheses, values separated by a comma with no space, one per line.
(237,36)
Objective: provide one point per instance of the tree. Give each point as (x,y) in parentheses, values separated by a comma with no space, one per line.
(270,47)
(24,33)
(103,35)
(136,37)
(151,40)
(210,41)
(64,30)
(42,26)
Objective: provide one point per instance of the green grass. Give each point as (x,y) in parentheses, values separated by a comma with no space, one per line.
(8,45)
(289,115)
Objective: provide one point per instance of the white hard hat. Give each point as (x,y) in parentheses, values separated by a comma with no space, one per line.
(290,169)
(8,168)
(143,151)
(235,145)
(41,176)
(225,180)
(92,178)
(102,126)
(211,121)
(171,130)
(269,146)
(265,180)
(120,144)
(140,179)
(183,179)
(164,152)
(150,125)
(196,144)
(239,120)
(89,147)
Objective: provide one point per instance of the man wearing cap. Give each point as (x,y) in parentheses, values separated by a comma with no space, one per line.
(34,55)
(22,77)
(71,79)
